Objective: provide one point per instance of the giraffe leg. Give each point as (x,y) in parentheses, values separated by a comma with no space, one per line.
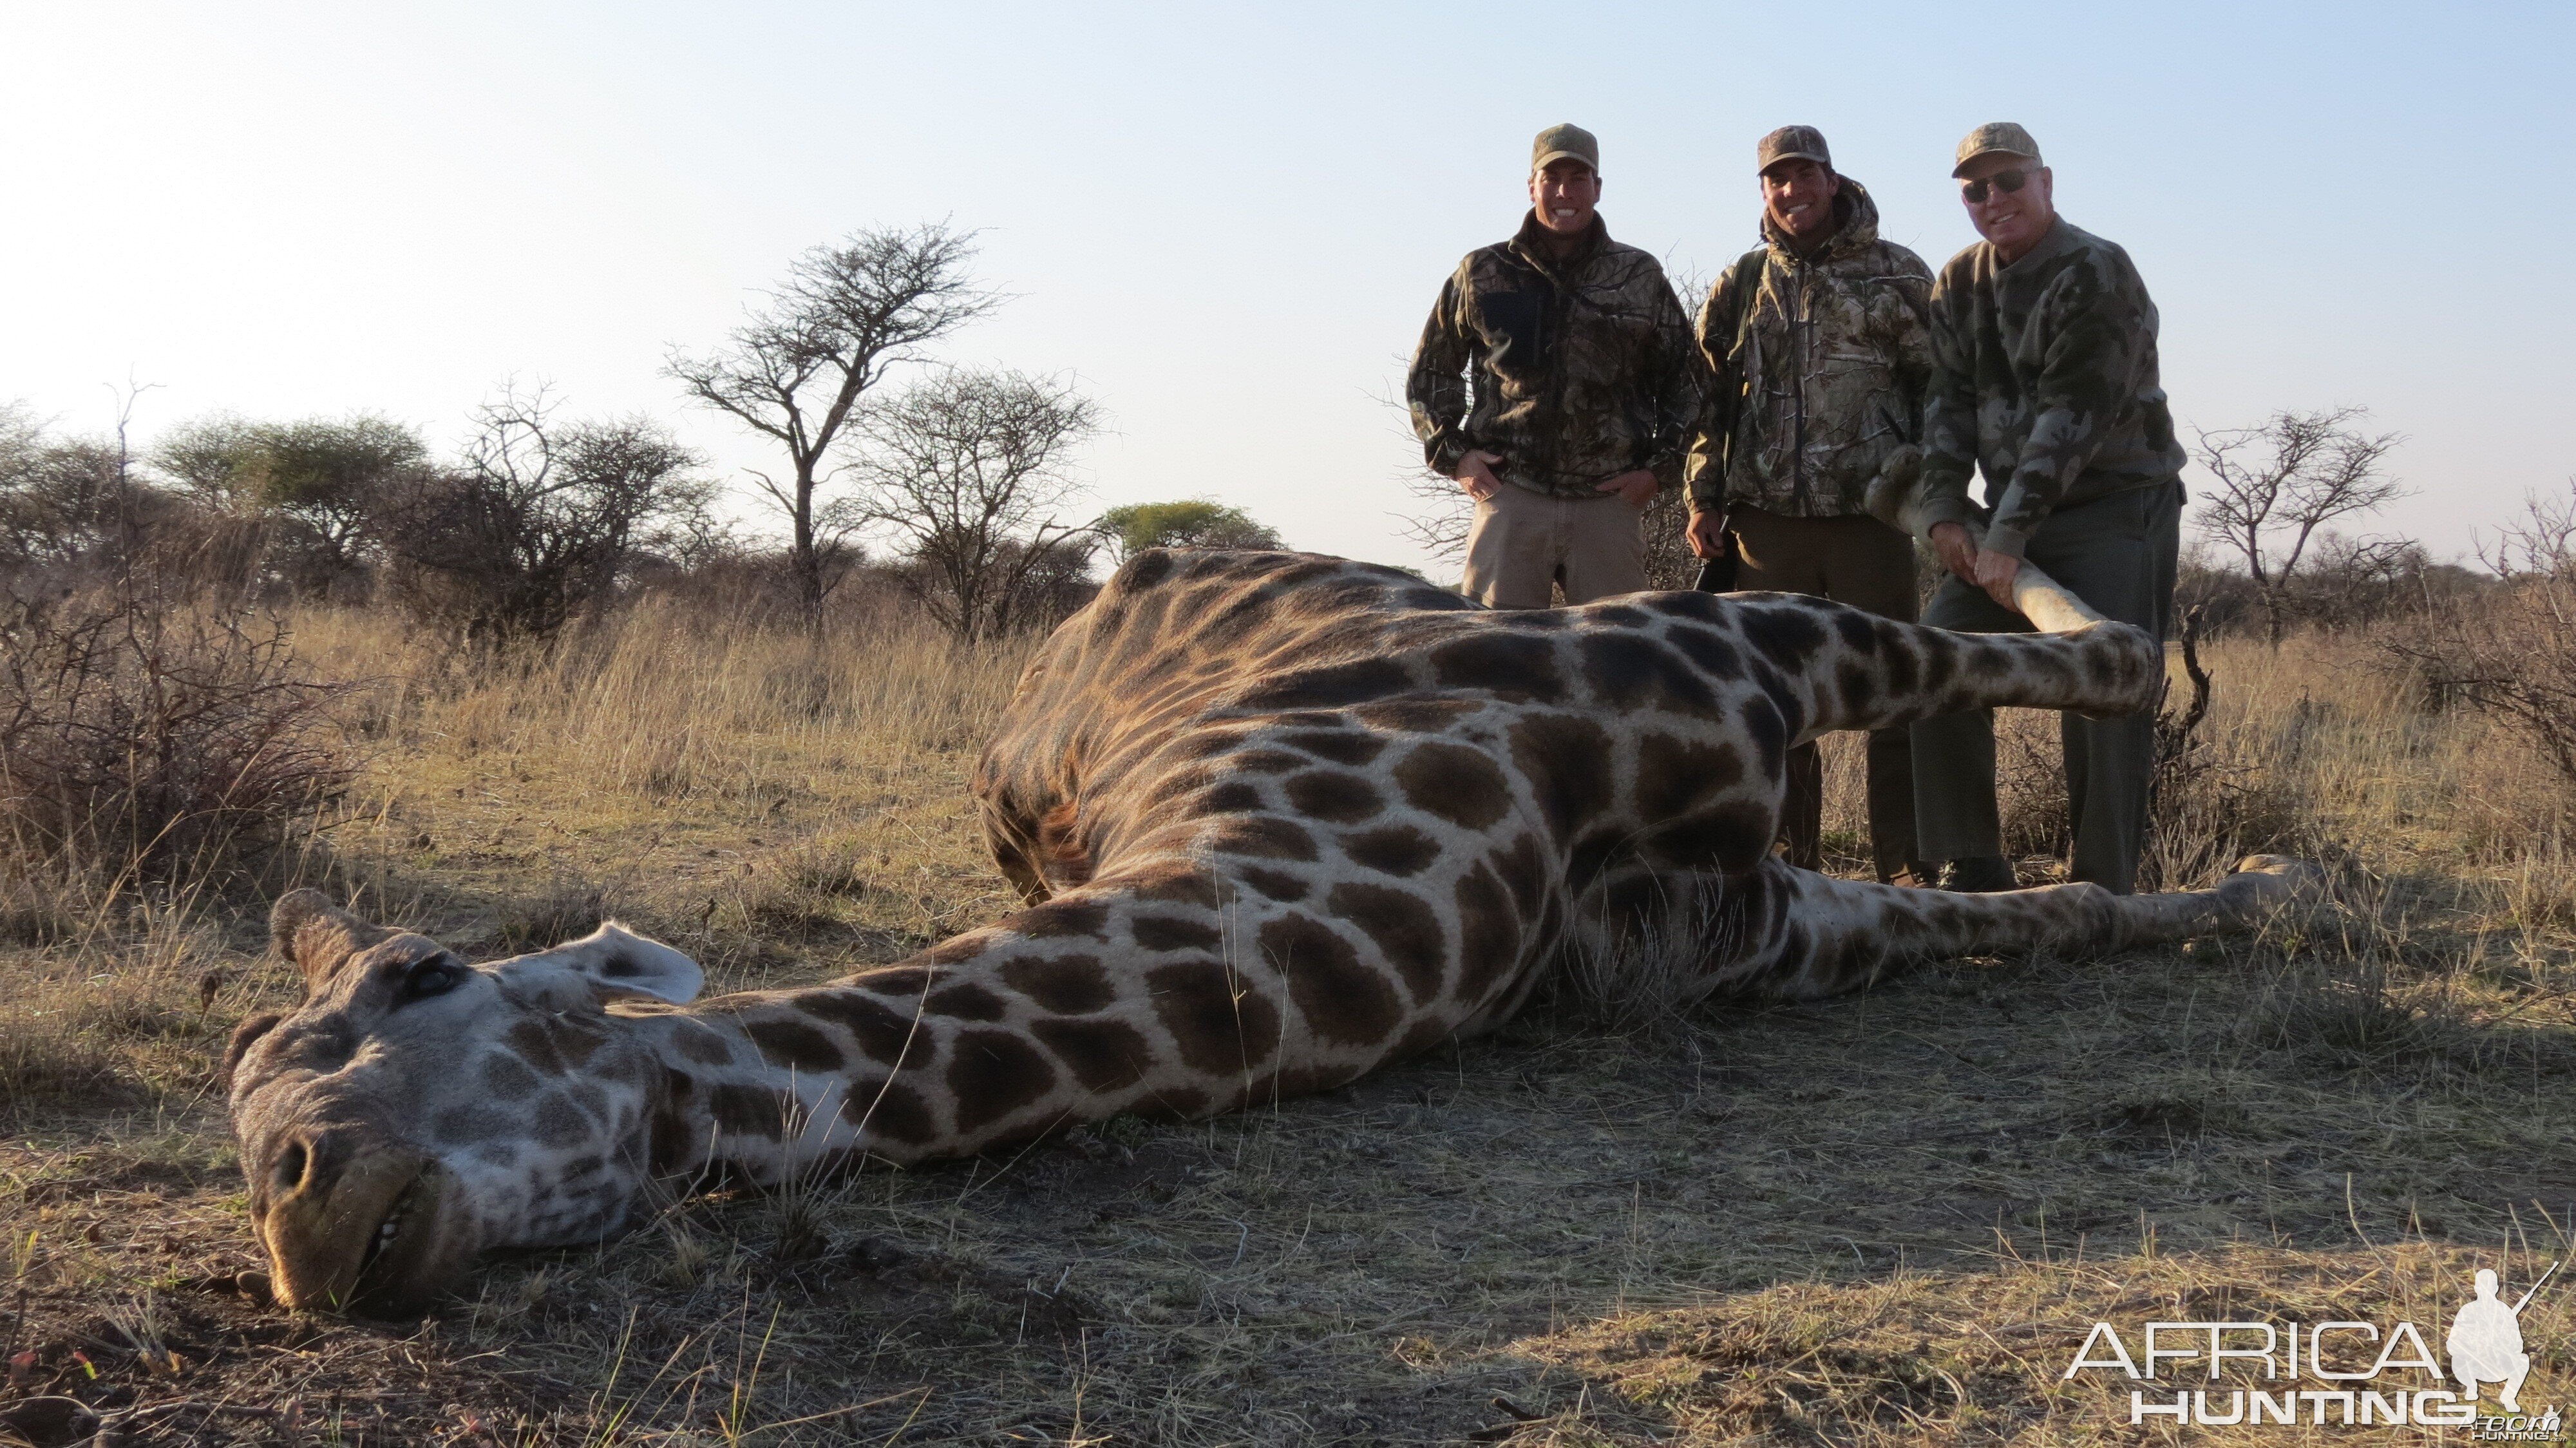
(1786,932)
(1842,668)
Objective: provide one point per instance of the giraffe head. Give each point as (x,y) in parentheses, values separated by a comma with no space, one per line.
(416,1109)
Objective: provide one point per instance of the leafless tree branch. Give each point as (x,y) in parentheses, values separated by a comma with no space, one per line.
(968,471)
(795,370)
(2282,480)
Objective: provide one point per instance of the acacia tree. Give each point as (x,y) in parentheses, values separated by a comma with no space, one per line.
(541,520)
(326,481)
(794,371)
(967,469)
(1191,523)
(2282,480)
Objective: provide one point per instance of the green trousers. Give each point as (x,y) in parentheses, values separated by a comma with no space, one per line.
(2116,553)
(1867,564)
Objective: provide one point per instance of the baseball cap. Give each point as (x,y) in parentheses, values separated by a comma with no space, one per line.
(1996,137)
(1793,143)
(1565,143)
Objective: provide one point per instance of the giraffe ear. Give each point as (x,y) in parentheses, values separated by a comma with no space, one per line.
(614,961)
(318,936)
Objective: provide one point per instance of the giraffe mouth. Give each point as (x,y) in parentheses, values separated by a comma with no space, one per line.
(404,1211)
(399,1267)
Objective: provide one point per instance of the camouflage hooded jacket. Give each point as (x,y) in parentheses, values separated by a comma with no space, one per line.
(1820,365)
(1571,370)
(2044,376)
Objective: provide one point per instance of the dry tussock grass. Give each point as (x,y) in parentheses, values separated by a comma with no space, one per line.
(1875,1220)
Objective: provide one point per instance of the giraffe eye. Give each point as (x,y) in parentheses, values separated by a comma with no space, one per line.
(435,976)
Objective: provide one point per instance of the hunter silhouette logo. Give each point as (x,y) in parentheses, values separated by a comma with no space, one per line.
(2486,1340)
(2361,1375)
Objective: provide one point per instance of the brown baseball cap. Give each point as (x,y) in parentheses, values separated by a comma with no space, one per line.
(1793,143)
(1565,143)
(1995,138)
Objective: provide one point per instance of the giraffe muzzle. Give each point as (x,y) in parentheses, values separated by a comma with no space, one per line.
(375,1238)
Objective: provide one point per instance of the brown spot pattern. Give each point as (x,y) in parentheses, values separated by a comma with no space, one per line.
(993,1074)
(1220,1025)
(508,1078)
(1333,797)
(1403,927)
(1171,932)
(795,1044)
(1566,759)
(1454,782)
(885,1034)
(1263,838)
(967,1001)
(1342,999)
(1069,985)
(889,1110)
(1398,850)
(1104,1055)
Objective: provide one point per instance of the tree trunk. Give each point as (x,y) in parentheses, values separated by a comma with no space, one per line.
(804,560)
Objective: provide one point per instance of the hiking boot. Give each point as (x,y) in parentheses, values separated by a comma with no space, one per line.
(1979,875)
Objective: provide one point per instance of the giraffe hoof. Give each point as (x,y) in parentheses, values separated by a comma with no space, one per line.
(2267,884)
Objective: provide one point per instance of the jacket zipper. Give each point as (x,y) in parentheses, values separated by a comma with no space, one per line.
(1798,326)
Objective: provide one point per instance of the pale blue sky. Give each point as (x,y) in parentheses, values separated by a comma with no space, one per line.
(1229,222)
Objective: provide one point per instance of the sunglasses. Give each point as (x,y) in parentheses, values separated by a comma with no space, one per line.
(2010,181)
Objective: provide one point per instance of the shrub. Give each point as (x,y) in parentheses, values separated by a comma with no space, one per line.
(2510,651)
(540,525)
(140,739)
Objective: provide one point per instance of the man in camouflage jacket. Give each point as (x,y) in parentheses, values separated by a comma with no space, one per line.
(1556,382)
(1818,354)
(2045,380)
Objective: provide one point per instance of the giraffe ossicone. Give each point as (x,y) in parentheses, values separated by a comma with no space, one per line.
(1277,820)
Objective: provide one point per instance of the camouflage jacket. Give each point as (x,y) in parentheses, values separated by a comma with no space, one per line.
(1819,365)
(2044,377)
(1572,371)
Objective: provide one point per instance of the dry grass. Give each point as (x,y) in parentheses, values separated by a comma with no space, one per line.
(1882,1220)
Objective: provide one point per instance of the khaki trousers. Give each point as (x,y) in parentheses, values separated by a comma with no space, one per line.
(1865,563)
(1523,541)
(2118,554)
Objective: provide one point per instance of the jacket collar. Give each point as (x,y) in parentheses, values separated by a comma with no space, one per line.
(1855,227)
(2062,238)
(1530,244)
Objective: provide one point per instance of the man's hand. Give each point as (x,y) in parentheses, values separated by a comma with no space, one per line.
(1958,551)
(1995,572)
(1476,474)
(1636,489)
(1706,534)
(1983,567)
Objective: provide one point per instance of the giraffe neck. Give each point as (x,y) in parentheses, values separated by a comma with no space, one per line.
(996,1036)
(742,1094)
(1140,995)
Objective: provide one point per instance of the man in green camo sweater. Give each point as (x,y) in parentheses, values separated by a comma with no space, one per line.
(2044,379)
(1819,356)
(1584,385)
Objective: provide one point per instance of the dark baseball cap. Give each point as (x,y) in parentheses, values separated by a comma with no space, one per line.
(1565,143)
(1996,138)
(1793,143)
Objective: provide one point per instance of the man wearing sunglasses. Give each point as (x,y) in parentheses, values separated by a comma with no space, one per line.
(1819,359)
(1557,383)
(2044,379)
